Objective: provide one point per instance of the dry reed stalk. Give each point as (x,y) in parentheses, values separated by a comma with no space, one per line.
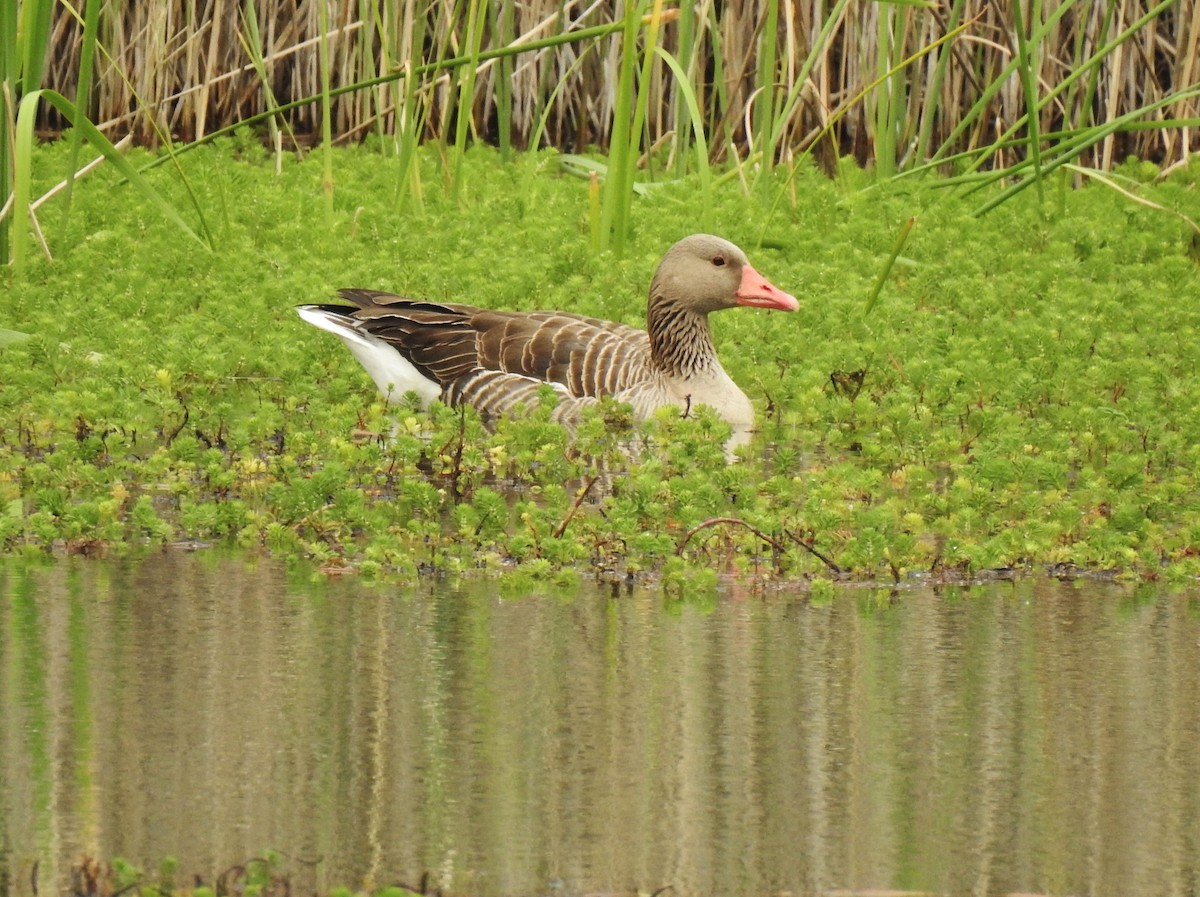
(180,68)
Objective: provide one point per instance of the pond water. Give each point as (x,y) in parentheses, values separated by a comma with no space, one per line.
(1033,737)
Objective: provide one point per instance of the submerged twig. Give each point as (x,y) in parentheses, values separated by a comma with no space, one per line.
(717,521)
(583,493)
(834,568)
(770,540)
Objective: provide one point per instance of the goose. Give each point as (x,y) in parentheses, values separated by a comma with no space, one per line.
(500,361)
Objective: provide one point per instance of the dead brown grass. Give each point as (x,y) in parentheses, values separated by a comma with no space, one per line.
(184,67)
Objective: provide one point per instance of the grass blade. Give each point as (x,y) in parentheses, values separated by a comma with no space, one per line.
(625,198)
(819,47)
(504,98)
(326,116)
(252,43)
(33,35)
(23,156)
(934,94)
(686,53)
(885,94)
(22,178)
(466,89)
(612,221)
(1027,65)
(765,111)
(873,297)
(83,90)
(1074,148)
(685,92)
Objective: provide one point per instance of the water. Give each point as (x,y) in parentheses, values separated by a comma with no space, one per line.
(1034,737)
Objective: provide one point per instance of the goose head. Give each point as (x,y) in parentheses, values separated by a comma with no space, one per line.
(703,274)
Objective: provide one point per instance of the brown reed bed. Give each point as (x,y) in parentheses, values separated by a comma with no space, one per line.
(795,75)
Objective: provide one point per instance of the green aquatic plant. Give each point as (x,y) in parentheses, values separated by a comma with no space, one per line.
(1017,398)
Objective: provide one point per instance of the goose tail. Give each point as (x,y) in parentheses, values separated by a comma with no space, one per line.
(394,375)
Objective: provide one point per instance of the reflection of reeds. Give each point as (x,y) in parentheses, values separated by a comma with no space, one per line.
(187,67)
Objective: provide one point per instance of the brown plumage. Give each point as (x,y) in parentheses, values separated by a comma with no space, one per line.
(499,360)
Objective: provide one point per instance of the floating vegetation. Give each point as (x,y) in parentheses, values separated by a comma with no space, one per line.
(1020,395)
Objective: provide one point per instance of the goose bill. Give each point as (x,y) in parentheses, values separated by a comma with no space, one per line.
(758,292)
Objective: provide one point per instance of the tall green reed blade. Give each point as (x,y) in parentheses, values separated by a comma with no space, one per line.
(9,71)
(1092,86)
(718,96)
(1077,105)
(934,95)
(252,43)
(91,24)
(765,110)
(1085,70)
(787,109)
(1027,64)
(686,29)
(885,101)
(10,59)
(893,130)
(33,36)
(24,36)
(410,117)
(627,172)
(614,202)
(326,114)
(504,98)
(23,154)
(476,12)
(1074,147)
(377,15)
(684,90)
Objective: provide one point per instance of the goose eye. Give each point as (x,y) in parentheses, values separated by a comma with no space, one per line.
(718,261)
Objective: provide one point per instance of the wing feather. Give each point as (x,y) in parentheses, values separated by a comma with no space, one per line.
(457,344)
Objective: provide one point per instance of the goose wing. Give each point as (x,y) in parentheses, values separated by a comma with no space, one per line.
(581,356)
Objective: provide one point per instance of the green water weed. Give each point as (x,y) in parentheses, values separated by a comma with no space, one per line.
(1020,396)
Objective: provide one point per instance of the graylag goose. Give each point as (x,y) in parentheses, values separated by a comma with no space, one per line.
(498,360)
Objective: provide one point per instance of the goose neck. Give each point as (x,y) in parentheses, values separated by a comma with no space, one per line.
(680,341)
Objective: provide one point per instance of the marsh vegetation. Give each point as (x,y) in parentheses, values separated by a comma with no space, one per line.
(992,369)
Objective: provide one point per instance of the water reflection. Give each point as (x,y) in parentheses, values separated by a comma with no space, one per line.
(1036,737)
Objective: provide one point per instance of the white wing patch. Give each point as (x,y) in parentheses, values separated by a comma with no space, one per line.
(393,374)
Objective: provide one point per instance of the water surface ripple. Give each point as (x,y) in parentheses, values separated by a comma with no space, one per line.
(1034,737)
